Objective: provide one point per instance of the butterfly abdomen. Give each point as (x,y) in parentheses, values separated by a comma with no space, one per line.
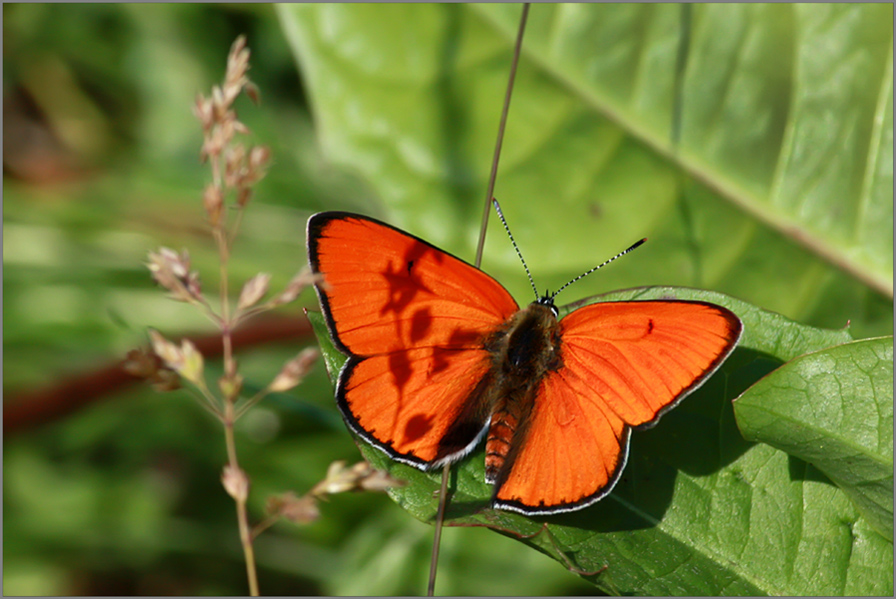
(507,428)
(523,351)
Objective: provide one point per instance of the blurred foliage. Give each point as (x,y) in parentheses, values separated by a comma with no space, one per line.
(100,166)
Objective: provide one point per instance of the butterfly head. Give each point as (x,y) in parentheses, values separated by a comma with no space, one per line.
(548,300)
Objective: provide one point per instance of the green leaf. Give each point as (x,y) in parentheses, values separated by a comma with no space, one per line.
(834,410)
(698,510)
(786,110)
(333,359)
(778,192)
(780,184)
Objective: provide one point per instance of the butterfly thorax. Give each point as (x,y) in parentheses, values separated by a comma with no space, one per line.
(523,351)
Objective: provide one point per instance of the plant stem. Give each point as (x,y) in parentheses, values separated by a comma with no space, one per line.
(229,417)
(242,516)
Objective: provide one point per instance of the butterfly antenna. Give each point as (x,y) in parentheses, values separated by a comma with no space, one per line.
(585,274)
(518,253)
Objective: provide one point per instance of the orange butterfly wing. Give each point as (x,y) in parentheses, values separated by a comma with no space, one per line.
(624,365)
(413,320)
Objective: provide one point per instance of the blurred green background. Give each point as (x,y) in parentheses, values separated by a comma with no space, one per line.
(122,495)
(117,491)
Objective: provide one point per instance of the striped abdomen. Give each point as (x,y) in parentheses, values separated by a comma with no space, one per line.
(522,354)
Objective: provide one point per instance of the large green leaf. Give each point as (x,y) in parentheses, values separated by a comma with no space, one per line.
(698,510)
(778,192)
(833,409)
(770,152)
(786,110)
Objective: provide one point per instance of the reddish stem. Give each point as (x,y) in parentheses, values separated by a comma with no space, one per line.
(28,409)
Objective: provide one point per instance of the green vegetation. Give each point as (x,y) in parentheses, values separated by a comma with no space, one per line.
(778,192)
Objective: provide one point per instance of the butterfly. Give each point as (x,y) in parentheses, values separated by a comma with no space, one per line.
(440,356)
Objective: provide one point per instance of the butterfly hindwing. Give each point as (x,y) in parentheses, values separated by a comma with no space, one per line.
(400,404)
(573,450)
(413,319)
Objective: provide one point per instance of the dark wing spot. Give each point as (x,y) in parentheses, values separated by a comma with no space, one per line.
(417,427)
(421,324)
(401,369)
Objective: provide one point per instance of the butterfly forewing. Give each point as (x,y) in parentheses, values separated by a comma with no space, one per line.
(640,357)
(386,290)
